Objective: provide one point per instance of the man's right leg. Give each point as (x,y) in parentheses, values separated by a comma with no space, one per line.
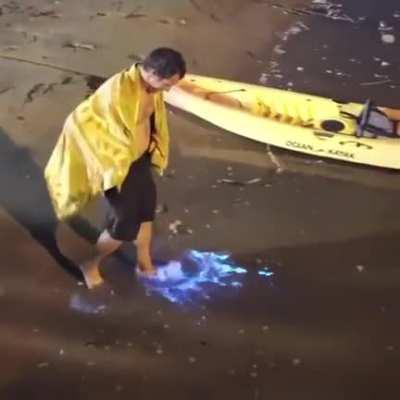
(143,244)
(105,246)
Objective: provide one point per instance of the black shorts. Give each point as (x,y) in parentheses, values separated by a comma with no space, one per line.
(134,203)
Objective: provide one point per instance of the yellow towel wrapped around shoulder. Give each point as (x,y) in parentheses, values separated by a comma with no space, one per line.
(98,144)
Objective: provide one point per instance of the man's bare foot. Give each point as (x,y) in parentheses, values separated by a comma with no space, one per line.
(91,274)
(146,269)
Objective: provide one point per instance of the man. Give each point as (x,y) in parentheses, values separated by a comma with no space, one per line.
(109,144)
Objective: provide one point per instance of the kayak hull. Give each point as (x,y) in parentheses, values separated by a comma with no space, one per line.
(294,121)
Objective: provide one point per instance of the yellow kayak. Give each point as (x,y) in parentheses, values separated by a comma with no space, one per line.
(294,121)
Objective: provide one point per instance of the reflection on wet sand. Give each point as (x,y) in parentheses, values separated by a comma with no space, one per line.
(304,165)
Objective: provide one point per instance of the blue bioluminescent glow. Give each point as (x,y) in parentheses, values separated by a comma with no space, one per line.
(83,303)
(196,275)
(265,272)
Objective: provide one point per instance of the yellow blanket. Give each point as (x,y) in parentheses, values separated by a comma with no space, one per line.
(98,144)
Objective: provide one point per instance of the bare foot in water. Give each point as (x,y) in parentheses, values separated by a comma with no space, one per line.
(146,269)
(91,274)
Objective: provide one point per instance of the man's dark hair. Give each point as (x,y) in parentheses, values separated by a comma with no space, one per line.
(165,63)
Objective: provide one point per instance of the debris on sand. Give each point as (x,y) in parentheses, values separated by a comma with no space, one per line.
(380,76)
(170,21)
(388,38)
(297,28)
(170,174)
(42,89)
(67,80)
(135,15)
(49,88)
(265,328)
(318,8)
(165,21)
(254,374)
(35,89)
(384,27)
(173,226)
(373,83)
(45,13)
(360,268)
(11,48)
(212,15)
(12,7)
(278,50)
(263,78)
(274,160)
(254,57)
(162,209)
(78,45)
(6,89)
(386,30)
(136,57)
(195,5)
(177,227)
(296,362)
(239,183)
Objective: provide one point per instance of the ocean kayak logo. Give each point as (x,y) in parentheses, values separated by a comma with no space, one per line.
(309,148)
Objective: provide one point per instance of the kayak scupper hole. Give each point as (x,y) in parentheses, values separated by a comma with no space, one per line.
(332,125)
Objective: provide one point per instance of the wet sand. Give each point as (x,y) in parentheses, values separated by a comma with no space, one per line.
(325,325)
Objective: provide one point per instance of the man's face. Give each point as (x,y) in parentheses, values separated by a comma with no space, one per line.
(157,84)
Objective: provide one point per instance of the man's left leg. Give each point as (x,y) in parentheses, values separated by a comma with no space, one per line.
(143,246)
(394,115)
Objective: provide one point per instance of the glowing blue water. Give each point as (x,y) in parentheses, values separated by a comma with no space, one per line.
(196,275)
(265,272)
(84,303)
